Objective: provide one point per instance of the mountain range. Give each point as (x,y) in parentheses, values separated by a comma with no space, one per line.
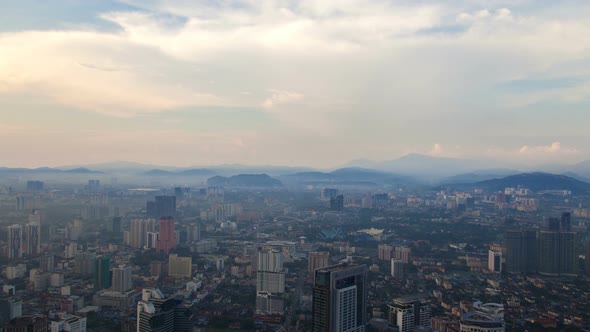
(409,170)
(536,181)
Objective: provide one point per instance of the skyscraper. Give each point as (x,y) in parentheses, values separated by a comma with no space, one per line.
(166,236)
(93,185)
(566,222)
(270,282)
(137,233)
(155,312)
(403,253)
(47,263)
(408,312)
(339,298)
(193,233)
(102,272)
(34,185)
(494,261)
(179,266)
(85,263)
(164,206)
(15,241)
(397,268)
(317,260)
(385,252)
(337,203)
(122,278)
(33,238)
(521,251)
(557,253)
(138,230)
(116,225)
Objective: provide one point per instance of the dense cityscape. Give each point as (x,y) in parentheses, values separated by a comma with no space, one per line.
(292,252)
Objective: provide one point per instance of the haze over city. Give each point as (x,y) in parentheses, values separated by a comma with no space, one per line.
(311,83)
(294,166)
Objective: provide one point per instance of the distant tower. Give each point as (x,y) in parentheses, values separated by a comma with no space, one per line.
(34,185)
(385,252)
(404,254)
(155,312)
(495,261)
(397,268)
(270,282)
(102,272)
(166,239)
(339,298)
(47,263)
(165,206)
(566,222)
(220,264)
(122,278)
(85,263)
(33,238)
(193,232)
(337,203)
(521,251)
(93,185)
(15,241)
(179,266)
(317,260)
(409,312)
(138,231)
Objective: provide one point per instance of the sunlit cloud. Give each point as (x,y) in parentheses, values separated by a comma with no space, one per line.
(358,69)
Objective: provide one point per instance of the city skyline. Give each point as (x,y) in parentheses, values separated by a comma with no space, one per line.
(313,83)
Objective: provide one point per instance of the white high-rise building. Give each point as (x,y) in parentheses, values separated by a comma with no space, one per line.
(270,282)
(397,268)
(495,261)
(122,281)
(15,241)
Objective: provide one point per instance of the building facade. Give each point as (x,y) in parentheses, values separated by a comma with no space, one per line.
(339,298)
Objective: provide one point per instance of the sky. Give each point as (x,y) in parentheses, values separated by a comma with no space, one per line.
(299,82)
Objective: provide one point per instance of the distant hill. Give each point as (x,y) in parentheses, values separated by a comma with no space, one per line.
(537,181)
(415,164)
(245,180)
(349,176)
(45,170)
(581,168)
(187,172)
(478,176)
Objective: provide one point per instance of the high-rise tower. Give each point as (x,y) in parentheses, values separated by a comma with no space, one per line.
(166,236)
(15,241)
(122,278)
(33,238)
(339,298)
(270,282)
(102,272)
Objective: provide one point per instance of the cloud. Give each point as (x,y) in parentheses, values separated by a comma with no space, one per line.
(180,54)
(357,68)
(280,97)
(436,150)
(553,148)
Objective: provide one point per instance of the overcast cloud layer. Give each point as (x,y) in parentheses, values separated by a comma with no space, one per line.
(293,82)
